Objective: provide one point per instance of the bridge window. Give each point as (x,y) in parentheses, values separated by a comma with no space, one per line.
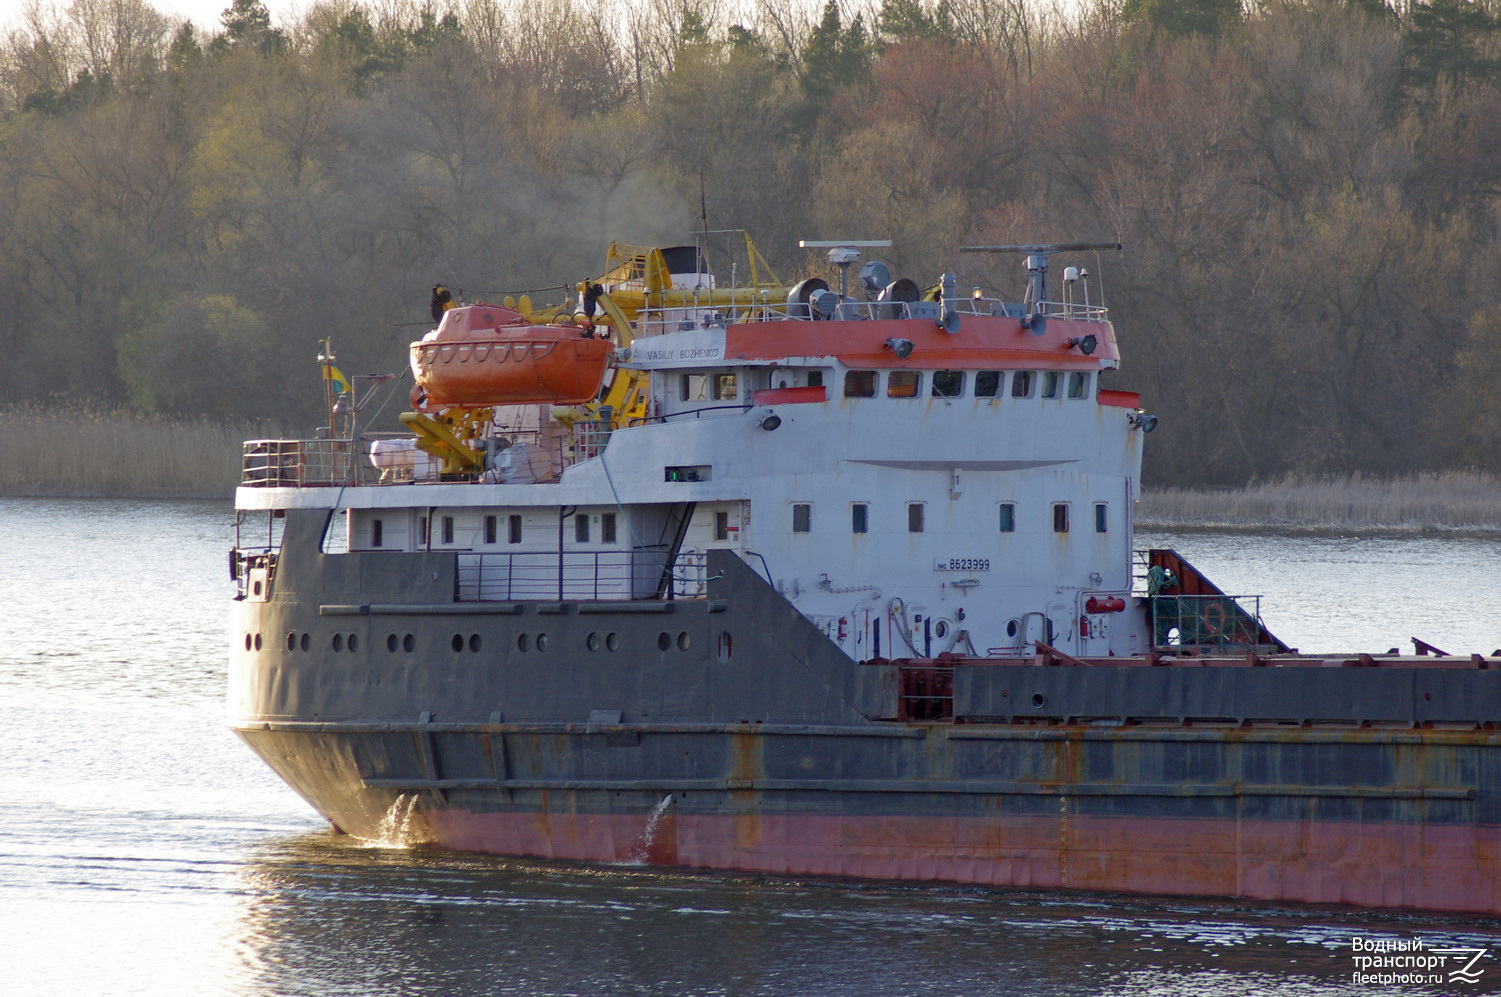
(724,387)
(377,533)
(948,383)
(1021,384)
(914,517)
(1050,384)
(581,527)
(1060,517)
(491,532)
(693,387)
(1078,384)
(860,518)
(1101,514)
(902,384)
(448,529)
(987,383)
(859,384)
(607,528)
(802,518)
(514,527)
(721,526)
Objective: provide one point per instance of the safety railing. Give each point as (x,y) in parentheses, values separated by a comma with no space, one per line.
(542,575)
(512,457)
(685,319)
(296,463)
(1205,620)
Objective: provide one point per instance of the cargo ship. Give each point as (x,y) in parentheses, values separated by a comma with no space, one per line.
(833,578)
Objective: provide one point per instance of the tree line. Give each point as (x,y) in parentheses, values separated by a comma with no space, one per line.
(1307,190)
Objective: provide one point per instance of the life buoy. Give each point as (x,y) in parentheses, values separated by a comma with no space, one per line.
(1213,618)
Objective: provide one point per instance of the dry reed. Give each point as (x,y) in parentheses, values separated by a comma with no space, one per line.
(1447,501)
(73,453)
(119,454)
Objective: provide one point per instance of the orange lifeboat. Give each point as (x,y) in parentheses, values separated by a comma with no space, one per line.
(489,355)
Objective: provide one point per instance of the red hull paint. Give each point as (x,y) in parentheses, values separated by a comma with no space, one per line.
(1374,865)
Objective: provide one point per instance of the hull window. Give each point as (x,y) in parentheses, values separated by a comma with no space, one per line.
(802,518)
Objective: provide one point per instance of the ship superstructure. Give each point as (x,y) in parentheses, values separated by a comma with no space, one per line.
(799,580)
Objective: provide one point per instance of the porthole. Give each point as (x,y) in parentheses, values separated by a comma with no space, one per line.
(338,642)
(474,643)
(409,643)
(1011,628)
(457,642)
(257,642)
(664,641)
(683,641)
(247,642)
(592,642)
(612,641)
(941,629)
(306,642)
(1038,700)
(523,642)
(392,643)
(291,640)
(724,646)
(542,642)
(354,642)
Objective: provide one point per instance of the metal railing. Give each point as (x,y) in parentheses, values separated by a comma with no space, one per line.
(1205,620)
(296,463)
(539,575)
(323,462)
(658,321)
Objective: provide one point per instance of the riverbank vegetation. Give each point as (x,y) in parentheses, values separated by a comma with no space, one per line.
(119,454)
(1306,191)
(1422,503)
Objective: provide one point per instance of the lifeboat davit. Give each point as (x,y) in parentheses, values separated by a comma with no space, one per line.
(490,355)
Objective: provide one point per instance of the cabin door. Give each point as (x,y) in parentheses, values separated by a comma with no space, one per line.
(1063,632)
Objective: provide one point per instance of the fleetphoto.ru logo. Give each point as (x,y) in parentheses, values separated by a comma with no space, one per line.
(1413,961)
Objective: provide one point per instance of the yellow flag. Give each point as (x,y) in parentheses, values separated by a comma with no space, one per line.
(332,373)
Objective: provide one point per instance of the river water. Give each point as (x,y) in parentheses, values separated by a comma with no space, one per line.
(143,850)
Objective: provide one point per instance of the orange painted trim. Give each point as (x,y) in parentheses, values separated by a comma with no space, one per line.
(983,342)
(791,396)
(1120,399)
